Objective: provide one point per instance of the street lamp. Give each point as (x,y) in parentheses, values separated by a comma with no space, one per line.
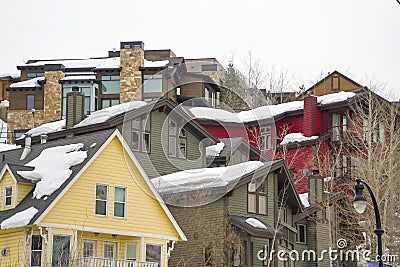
(360,204)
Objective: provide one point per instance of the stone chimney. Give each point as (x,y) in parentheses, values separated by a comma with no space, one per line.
(311,117)
(132,58)
(315,188)
(75,108)
(53,92)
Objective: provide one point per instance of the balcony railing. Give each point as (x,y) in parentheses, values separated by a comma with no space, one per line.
(101,262)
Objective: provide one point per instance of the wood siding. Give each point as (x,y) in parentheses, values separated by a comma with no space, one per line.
(7,180)
(23,190)
(18,99)
(13,240)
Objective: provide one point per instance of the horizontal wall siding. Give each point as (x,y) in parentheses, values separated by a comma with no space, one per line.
(144,213)
(7,180)
(23,190)
(13,240)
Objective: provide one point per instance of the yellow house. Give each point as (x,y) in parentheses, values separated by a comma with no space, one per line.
(82,201)
(334,82)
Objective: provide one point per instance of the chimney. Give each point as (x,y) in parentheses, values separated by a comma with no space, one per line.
(75,107)
(315,188)
(311,117)
(43,138)
(27,148)
(52,92)
(132,58)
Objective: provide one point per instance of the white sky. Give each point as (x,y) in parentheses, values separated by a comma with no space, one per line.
(360,38)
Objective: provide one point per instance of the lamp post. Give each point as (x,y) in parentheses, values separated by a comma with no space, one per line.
(360,204)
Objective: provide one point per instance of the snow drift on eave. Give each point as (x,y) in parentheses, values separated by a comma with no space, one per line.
(205,178)
(19,219)
(52,167)
(264,112)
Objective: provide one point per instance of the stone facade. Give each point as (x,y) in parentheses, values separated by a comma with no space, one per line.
(131,76)
(22,120)
(53,95)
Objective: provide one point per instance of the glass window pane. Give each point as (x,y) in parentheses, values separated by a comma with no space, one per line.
(89,249)
(119,194)
(182,148)
(85,91)
(262,204)
(115,78)
(114,102)
(8,191)
(172,127)
(109,250)
(136,124)
(61,251)
(135,140)
(101,192)
(110,87)
(131,251)
(153,253)
(152,84)
(30,102)
(172,146)
(251,187)
(146,142)
(105,103)
(66,91)
(105,78)
(36,243)
(86,107)
(101,207)
(119,209)
(251,203)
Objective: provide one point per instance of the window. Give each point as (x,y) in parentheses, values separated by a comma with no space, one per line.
(265,138)
(153,253)
(177,140)
(141,134)
(365,129)
(381,132)
(131,251)
(89,248)
(32,75)
(101,199)
(335,127)
(119,202)
(335,83)
(36,251)
(152,83)
(18,133)
(61,251)
(30,102)
(110,250)
(213,99)
(110,85)
(109,102)
(257,198)
(301,233)
(90,99)
(206,94)
(7,196)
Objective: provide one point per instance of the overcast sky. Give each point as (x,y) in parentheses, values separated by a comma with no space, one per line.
(360,38)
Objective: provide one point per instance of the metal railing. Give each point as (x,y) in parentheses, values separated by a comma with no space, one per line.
(101,262)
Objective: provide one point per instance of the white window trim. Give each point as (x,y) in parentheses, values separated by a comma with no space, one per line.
(126,202)
(107,200)
(137,250)
(30,249)
(92,241)
(115,243)
(71,241)
(162,252)
(5,196)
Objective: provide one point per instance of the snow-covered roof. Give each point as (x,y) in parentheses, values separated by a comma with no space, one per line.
(11,74)
(5,103)
(205,178)
(28,84)
(19,219)
(304,200)
(160,63)
(296,137)
(79,78)
(46,128)
(103,115)
(264,112)
(51,176)
(99,63)
(256,223)
(214,150)
(6,147)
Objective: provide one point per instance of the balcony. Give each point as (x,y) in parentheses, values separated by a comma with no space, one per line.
(101,262)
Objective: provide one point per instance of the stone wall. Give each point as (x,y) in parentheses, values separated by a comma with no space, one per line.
(131,77)
(22,120)
(52,95)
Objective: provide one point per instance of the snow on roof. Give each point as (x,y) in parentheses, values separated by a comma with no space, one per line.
(101,63)
(21,218)
(51,176)
(304,200)
(205,178)
(46,128)
(296,137)
(214,150)
(5,147)
(5,103)
(103,115)
(256,223)
(28,84)
(12,75)
(264,112)
(160,63)
(79,78)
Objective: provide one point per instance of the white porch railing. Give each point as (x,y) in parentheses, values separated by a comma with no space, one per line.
(101,262)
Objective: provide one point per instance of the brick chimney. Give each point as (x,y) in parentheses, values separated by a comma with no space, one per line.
(53,91)
(311,117)
(132,58)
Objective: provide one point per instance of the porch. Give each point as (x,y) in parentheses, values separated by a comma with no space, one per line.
(102,262)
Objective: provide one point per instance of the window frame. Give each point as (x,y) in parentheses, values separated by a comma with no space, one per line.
(298,239)
(36,250)
(27,101)
(265,138)
(94,242)
(110,79)
(155,78)
(136,252)
(161,252)
(107,199)
(115,251)
(179,139)
(7,197)
(335,77)
(125,203)
(258,195)
(69,249)
(143,130)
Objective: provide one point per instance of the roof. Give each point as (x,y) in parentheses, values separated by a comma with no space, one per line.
(12,159)
(89,63)
(32,83)
(266,231)
(335,72)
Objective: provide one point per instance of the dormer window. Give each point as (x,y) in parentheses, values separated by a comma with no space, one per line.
(7,196)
